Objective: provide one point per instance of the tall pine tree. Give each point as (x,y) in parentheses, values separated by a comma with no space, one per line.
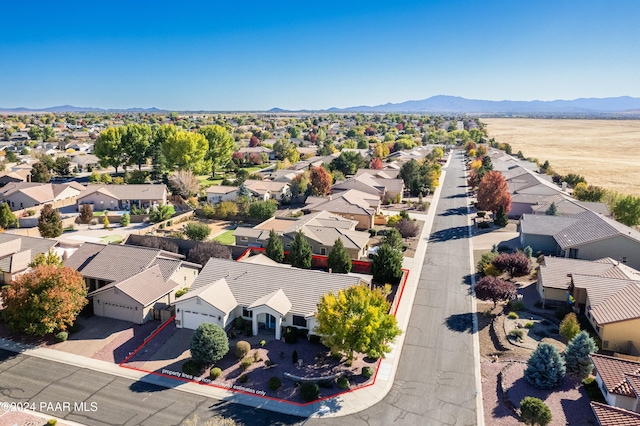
(275,250)
(300,254)
(339,260)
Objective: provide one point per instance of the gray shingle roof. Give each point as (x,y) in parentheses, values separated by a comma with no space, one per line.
(117,263)
(545,225)
(589,227)
(83,255)
(36,245)
(249,282)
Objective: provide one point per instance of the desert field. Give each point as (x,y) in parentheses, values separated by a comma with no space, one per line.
(605,152)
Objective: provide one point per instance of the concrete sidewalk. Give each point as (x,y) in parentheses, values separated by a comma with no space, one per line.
(348,403)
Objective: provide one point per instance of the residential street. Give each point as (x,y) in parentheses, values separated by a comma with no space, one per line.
(118,401)
(435,382)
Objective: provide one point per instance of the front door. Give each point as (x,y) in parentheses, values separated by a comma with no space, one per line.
(270,323)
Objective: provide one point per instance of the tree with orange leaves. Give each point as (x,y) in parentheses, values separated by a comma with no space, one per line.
(376,164)
(493,192)
(44,300)
(320,181)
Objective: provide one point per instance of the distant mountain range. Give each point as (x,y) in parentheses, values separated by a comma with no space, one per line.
(455,104)
(435,104)
(71,108)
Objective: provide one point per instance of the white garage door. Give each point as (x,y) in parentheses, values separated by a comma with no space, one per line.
(123,312)
(192,320)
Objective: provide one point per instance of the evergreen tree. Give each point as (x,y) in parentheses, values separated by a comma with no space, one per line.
(209,343)
(387,265)
(300,254)
(7,218)
(275,249)
(552,210)
(577,355)
(339,260)
(393,239)
(569,327)
(49,223)
(501,217)
(545,367)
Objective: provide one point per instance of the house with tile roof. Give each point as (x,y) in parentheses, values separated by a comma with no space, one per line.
(265,189)
(351,204)
(17,251)
(320,228)
(122,197)
(388,189)
(554,275)
(24,195)
(218,193)
(587,235)
(614,416)
(619,381)
(225,290)
(143,283)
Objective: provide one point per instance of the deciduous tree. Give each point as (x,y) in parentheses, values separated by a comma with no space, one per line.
(262,210)
(7,218)
(221,146)
(187,151)
(209,343)
(517,264)
(275,249)
(545,368)
(375,164)
(184,183)
(627,210)
(40,173)
(569,327)
(108,148)
(43,300)
(86,213)
(49,223)
(48,258)
(493,192)
(202,252)
(494,289)
(320,181)
(339,260)
(197,231)
(408,228)
(136,141)
(300,184)
(300,254)
(356,319)
(348,162)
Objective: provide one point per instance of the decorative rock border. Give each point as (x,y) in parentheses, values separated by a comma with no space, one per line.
(311,379)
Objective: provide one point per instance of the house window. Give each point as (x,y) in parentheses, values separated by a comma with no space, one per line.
(247,313)
(245,238)
(323,251)
(573,253)
(299,321)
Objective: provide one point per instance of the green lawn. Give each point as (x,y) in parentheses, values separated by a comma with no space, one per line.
(112,239)
(226,238)
(206,181)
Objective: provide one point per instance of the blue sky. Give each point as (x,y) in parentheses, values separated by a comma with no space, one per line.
(220,55)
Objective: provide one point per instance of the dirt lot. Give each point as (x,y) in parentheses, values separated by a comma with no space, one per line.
(600,150)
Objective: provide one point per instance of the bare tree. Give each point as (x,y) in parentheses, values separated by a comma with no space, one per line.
(184,183)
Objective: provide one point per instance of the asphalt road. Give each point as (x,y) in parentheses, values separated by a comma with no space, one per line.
(112,400)
(435,381)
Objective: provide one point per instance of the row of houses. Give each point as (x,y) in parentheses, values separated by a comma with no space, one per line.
(25,195)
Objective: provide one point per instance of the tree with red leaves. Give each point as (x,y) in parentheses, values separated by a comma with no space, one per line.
(517,264)
(44,300)
(400,126)
(376,164)
(369,131)
(495,289)
(320,181)
(313,138)
(493,192)
(255,158)
(238,158)
(254,141)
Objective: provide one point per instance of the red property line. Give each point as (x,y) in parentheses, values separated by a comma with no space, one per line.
(148,339)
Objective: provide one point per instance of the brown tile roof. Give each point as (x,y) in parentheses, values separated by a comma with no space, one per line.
(614,416)
(554,270)
(117,263)
(612,371)
(621,306)
(634,382)
(128,192)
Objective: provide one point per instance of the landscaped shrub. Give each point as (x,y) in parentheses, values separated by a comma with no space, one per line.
(513,315)
(239,323)
(325,384)
(343,383)
(294,357)
(291,335)
(215,372)
(517,333)
(192,367)
(181,292)
(515,305)
(367,372)
(372,232)
(242,349)
(309,391)
(256,356)
(569,327)
(246,363)
(314,338)
(274,383)
(529,324)
(52,422)
(62,336)
(517,264)
(533,411)
(243,378)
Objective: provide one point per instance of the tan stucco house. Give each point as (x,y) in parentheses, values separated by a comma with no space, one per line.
(117,197)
